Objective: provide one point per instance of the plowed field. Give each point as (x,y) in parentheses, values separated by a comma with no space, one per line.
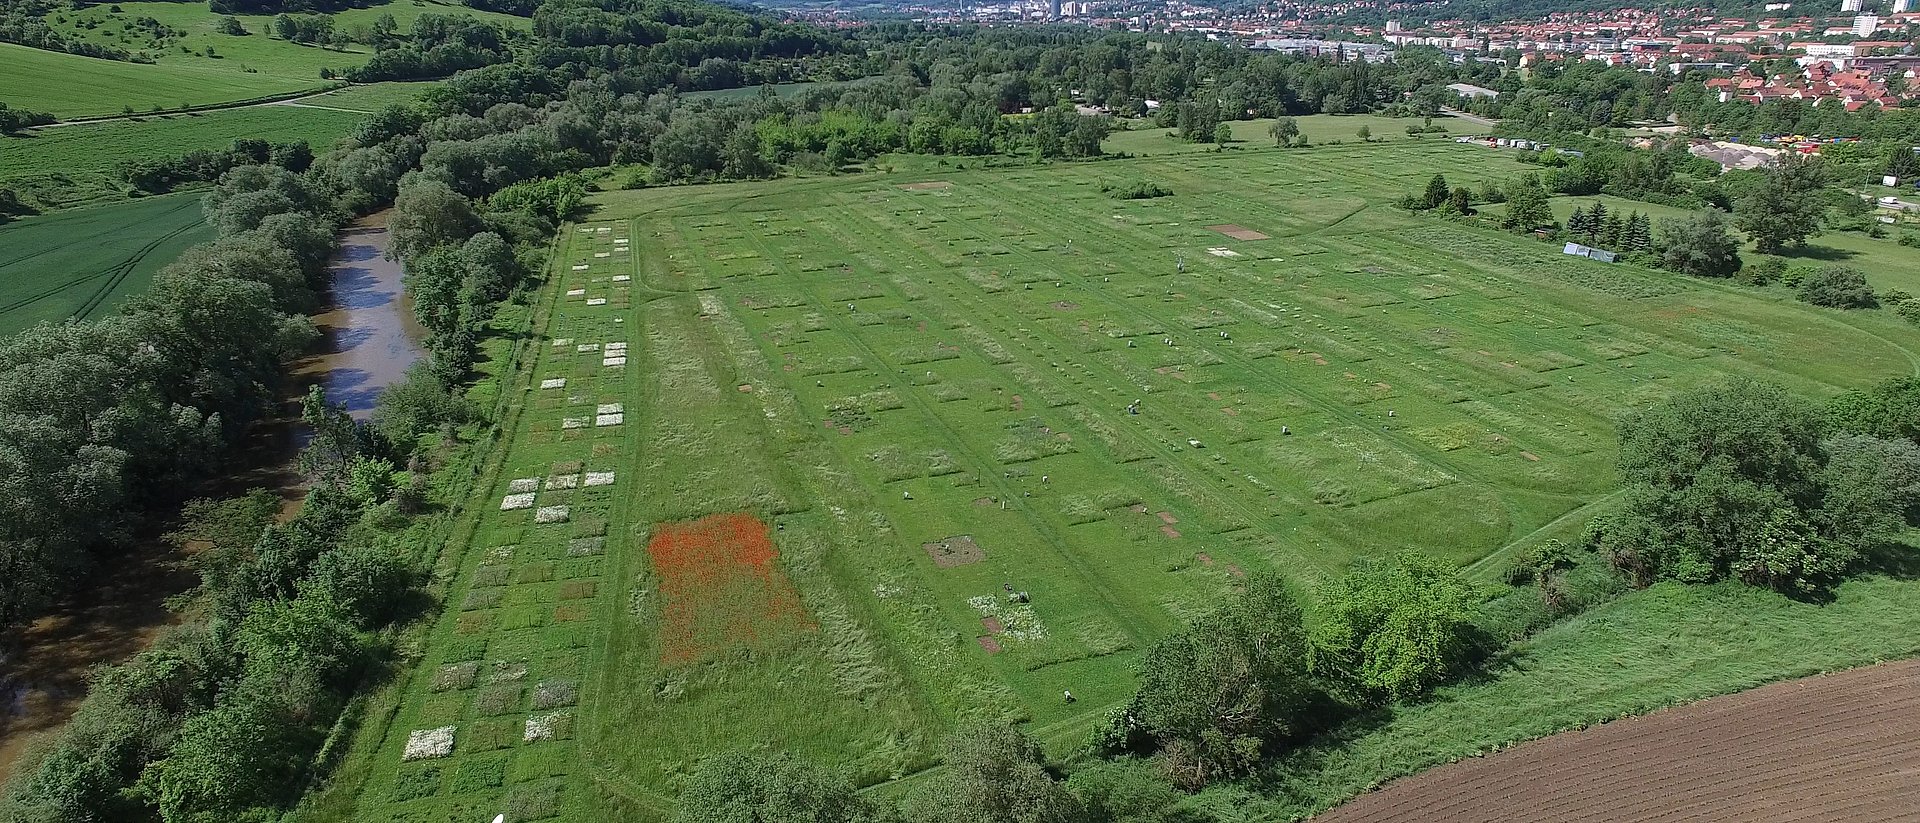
(1837,747)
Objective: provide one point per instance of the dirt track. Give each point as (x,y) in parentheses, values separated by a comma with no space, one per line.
(1840,747)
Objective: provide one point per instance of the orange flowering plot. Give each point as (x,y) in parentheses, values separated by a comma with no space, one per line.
(721,588)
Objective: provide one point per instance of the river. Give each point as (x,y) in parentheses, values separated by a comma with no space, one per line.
(369,338)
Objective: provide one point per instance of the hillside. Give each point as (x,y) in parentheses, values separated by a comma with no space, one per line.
(195,64)
(71,86)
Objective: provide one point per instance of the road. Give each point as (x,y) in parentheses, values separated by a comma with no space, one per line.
(297,101)
(1471,118)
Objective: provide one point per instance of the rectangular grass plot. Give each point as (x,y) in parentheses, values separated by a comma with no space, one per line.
(721,588)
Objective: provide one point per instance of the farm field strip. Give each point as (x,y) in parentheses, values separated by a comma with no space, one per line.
(68,85)
(874,471)
(1832,747)
(84,263)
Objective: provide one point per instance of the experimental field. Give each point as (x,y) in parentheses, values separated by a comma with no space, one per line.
(84,263)
(786,448)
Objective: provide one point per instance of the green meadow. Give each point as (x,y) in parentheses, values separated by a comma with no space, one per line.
(84,263)
(239,67)
(67,85)
(938,387)
(74,164)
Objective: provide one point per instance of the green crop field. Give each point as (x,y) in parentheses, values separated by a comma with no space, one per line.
(86,262)
(785,448)
(71,86)
(75,163)
(239,68)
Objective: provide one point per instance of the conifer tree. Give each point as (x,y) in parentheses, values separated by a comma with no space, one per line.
(1596,222)
(1613,231)
(1577,221)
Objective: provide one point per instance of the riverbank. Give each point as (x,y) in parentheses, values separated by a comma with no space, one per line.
(368,340)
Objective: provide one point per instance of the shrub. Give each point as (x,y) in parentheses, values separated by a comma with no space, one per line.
(1839,287)
(1137,191)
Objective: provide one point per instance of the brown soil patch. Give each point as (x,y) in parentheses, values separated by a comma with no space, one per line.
(1170,532)
(1237,232)
(577,590)
(992,625)
(1530,456)
(1204,558)
(570,613)
(991,645)
(1213,395)
(1235,570)
(955,551)
(929,185)
(1167,517)
(1018,404)
(1230,411)
(1065,305)
(983,501)
(746,387)
(1835,747)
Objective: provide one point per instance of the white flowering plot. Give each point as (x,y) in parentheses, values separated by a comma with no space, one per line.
(574,423)
(596,301)
(613,360)
(614,419)
(610,408)
(562,342)
(579,267)
(425,744)
(599,479)
(516,501)
(563,481)
(603,254)
(550,514)
(621,278)
(554,383)
(524,484)
(548,726)
(576,292)
(587,347)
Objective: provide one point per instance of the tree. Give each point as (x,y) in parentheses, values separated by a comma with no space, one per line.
(1283,130)
(740,787)
(1595,224)
(1211,698)
(1613,231)
(429,213)
(1785,209)
(995,774)
(1436,192)
(1889,410)
(1223,133)
(1460,201)
(1639,233)
(1700,245)
(1838,287)
(1527,205)
(1869,487)
(1578,224)
(1365,134)
(1728,481)
(1393,630)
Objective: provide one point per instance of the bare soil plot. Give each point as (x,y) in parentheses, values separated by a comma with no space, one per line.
(1835,747)
(1238,232)
(955,551)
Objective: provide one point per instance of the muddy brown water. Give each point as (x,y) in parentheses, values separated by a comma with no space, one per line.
(369,339)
